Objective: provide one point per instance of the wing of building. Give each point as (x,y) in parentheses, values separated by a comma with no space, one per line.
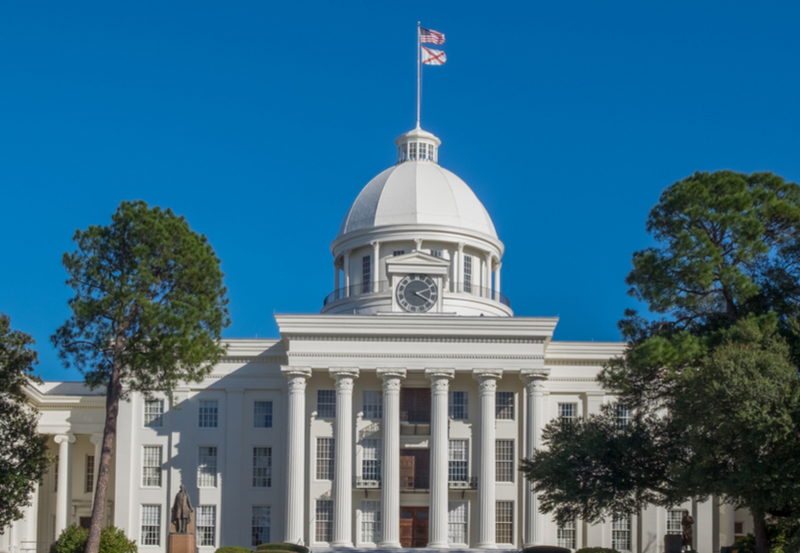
(393,418)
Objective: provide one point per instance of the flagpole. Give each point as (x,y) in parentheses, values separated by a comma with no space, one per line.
(419,73)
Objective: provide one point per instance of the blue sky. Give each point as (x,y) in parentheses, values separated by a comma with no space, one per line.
(261,122)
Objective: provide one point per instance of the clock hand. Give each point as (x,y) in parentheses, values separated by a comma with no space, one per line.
(423,297)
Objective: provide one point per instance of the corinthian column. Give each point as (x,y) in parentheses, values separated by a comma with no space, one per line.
(295,453)
(535,408)
(390,485)
(440,383)
(487,384)
(343,458)
(64,442)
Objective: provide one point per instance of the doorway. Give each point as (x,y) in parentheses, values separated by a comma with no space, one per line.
(414,526)
(415,466)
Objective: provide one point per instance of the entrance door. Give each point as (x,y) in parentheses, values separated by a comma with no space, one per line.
(414,526)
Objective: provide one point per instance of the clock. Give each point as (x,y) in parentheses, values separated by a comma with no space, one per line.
(417,293)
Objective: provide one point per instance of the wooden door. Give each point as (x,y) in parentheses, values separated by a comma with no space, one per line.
(420,527)
(407,465)
(414,526)
(406,526)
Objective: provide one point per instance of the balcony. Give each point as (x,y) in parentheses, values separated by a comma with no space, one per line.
(470,483)
(415,483)
(361,483)
(356,290)
(363,289)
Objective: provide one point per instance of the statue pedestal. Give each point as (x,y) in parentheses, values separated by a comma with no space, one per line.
(182,543)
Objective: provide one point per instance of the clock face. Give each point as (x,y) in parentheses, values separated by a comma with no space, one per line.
(417,293)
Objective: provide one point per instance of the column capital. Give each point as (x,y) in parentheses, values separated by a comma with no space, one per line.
(487,379)
(534,380)
(344,378)
(61,438)
(460,246)
(391,379)
(440,379)
(96,438)
(498,265)
(375,243)
(297,377)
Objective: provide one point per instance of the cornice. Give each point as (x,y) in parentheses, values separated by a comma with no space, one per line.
(418,338)
(279,359)
(577,362)
(412,356)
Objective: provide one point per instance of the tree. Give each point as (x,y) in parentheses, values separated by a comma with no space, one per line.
(712,380)
(24,456)
(148,312)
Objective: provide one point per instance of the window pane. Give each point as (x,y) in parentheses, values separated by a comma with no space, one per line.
(371,521)
(262,467)
(504,459)
(467,273)
(206,525)
(366,273)
(153,412)
(151,466)
(459,464)
(90,474)
(567,411)
(260,523)
(373,404)
(371,460)
(262,414)
(151,525)
(207,467)
(325,458)
(457,522)
(566,535)
(326,404)
(504,517)
(208,414)
(623,416)
(621,532)
(674,518)
(458,405)
(505,405)
(324,529)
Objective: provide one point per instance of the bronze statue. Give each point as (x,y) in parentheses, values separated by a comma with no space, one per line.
(181,511)
(686,522)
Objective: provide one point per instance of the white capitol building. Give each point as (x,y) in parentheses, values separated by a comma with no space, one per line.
(393,418)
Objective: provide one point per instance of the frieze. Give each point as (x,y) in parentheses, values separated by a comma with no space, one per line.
(414,356)
(419,338)
(69,407)
(257,359)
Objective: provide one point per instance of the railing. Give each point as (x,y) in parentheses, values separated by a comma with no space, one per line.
(415,483)
(373,428)
(470,483)
(362,289)
(415,417)
(362,483)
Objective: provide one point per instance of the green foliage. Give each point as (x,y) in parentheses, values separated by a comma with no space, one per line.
(779,538)
(596,550)
(24,456)
(546,549)
(713,383)
(112,540)
(149,301)
(293,547)
(234,549)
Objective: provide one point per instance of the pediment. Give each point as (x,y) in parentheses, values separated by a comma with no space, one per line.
(417,262)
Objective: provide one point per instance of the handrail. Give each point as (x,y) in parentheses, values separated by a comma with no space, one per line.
(362,289)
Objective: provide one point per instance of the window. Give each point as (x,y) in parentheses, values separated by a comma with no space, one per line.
(373,404)
(738,528)
(326,404)
(206,525)
(458,405)
(459,464)
(207,467)
(467,273)
(151,466)
(505,405)
(325,458)
(208,414)
(457,522)
(366,273)
(371,521)
(324,528)
(89,474)
(436,253)
(504,460)
(398,252)
(262,467)
(567,411)
(371,460)
(413,150)
(566,535)
(260,524)
(151,525)
(621,532)
(262,414)
(623,416)
(504,525)
(153,413)
(674,525)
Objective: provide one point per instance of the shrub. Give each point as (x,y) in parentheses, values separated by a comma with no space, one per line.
(112,540)
(596,550)
(234,549)
(286,547)
(546,549)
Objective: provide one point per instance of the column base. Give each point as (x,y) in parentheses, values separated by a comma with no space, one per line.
(390,545)
(487,546)
(438,545)
(341,544)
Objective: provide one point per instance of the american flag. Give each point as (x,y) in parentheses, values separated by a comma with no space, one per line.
(431,37)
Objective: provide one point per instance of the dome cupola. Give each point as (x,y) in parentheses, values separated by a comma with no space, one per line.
(417,226)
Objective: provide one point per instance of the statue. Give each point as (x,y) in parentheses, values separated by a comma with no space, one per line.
(181,511)
(686,523)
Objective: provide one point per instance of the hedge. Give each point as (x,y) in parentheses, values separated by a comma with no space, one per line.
(596,550)
(74,538)
(285,547)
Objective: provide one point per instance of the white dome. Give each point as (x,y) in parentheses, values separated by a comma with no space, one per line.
(418,192)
